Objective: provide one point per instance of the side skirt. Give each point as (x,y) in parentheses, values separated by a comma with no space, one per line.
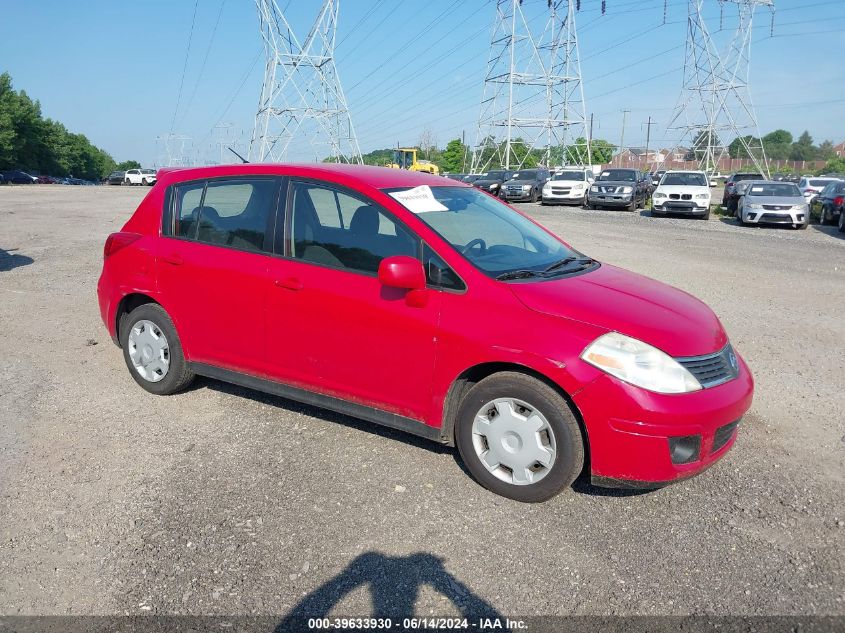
(370,414)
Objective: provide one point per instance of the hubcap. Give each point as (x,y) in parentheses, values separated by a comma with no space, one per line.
(514,441)
(149,351)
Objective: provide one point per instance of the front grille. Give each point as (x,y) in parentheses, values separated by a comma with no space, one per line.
(776,207)
(561,190)
(775,218)
(723,435)
(713,369)
(610,189)
(680,196)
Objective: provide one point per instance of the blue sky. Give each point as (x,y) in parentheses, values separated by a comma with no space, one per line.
(112,70)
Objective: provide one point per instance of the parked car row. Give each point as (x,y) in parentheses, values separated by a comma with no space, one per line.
(19,177)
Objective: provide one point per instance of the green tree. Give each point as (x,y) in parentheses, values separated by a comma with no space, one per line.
(453,158)
(833,166)
(803,148)
(826,151)
(739,146)
(777,144)
(126,165)
(601,151)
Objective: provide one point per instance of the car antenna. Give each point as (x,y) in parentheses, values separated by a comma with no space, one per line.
(243,160)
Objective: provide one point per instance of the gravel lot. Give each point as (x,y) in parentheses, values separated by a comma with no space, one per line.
(225,501)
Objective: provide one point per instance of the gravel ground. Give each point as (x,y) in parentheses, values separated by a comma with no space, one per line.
(222,500)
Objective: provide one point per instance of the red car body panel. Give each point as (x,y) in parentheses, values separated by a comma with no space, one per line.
(345,334)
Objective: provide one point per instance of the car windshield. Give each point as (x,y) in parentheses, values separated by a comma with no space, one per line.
(690,180)
(774,190)
(494,175)
(820,182)
(626,175)
(739,177)
(148,171)
(491,235)
(528,174)
(569,175)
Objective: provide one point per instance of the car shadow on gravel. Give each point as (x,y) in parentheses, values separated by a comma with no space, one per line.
(317,412)
(830,231)
(394,583)
(9,260)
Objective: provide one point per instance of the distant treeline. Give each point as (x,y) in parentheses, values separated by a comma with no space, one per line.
(37,145)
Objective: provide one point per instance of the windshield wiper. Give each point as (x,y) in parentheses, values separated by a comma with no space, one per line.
(518,274)
(585,261)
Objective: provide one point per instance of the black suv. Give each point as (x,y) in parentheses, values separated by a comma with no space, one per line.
(730,199)
(626,188)
(526,185)
(492,181)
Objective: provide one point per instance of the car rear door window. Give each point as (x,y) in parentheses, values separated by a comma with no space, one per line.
(237,213)
(334,228)
(188,199)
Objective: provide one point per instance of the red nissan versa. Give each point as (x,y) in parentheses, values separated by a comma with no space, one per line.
(425,305)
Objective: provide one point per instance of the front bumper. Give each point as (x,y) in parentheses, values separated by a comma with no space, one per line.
(610,199)
(680,206)
(757,216)
(578,196)
(629,428)
(513,196)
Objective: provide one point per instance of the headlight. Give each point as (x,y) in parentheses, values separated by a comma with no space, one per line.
(755,206)
(799,207)
(547,189)
(627,189)
(657,194)
(579,185)
(526,187)
(493,186)
(594,189)
(702,196)
(639,363)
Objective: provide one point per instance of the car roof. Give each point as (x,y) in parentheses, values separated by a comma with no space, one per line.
(377,177)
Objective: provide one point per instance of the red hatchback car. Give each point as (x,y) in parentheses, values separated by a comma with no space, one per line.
(425,305)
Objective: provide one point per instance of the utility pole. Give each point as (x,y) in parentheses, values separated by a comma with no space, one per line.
(715,101)
(301,96)
(648,137)
(622,138)
(533,97)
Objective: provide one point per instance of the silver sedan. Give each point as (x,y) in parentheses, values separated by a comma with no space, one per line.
(770,202)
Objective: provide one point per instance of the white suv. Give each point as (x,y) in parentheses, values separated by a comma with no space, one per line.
(567,185)
(140,177)
(811,187)
(686,192)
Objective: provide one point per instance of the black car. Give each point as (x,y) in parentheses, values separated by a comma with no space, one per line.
(656,176)
(492,181)
(730,198)
(829,203)
(18,177)
(526,185)
(458,177)
(116,178)
(626,188)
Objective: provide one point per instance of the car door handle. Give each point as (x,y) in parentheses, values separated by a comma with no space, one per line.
(291,283)
(175,260)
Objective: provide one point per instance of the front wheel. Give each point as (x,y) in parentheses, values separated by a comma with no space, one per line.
(519,438)
(152,350)
(822,217)
(127,182)
(842,221)
(533,195)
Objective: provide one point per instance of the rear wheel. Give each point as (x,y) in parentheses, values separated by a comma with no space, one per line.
(842,221)
(127,182)
(519,438)
(152,350)
(822,217)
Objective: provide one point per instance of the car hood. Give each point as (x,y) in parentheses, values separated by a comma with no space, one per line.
(784,201)
(692,189)
(487,182)
(625,302)
(520,182)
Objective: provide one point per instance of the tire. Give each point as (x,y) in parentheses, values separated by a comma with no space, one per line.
(144,181)
(633,206)
(560,432)
(533,196)
(127,182)
(822,218)
(152,318)
(801,226)
(706,215)
(842,221)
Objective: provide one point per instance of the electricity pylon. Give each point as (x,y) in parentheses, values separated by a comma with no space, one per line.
(715,103)
(301,97)
(533,96)
(174,149)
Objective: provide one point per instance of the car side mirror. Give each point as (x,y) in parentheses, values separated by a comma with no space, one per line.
(402,271)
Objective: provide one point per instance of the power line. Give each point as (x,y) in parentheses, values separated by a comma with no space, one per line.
(204,61)
(185,66)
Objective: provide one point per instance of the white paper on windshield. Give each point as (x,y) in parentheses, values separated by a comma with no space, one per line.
(605,173)
(418,200)
(756,189)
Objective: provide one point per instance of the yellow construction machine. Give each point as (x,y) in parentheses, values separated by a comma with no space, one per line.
(406,158)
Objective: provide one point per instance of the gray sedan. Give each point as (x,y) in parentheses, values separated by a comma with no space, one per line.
(770,202)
